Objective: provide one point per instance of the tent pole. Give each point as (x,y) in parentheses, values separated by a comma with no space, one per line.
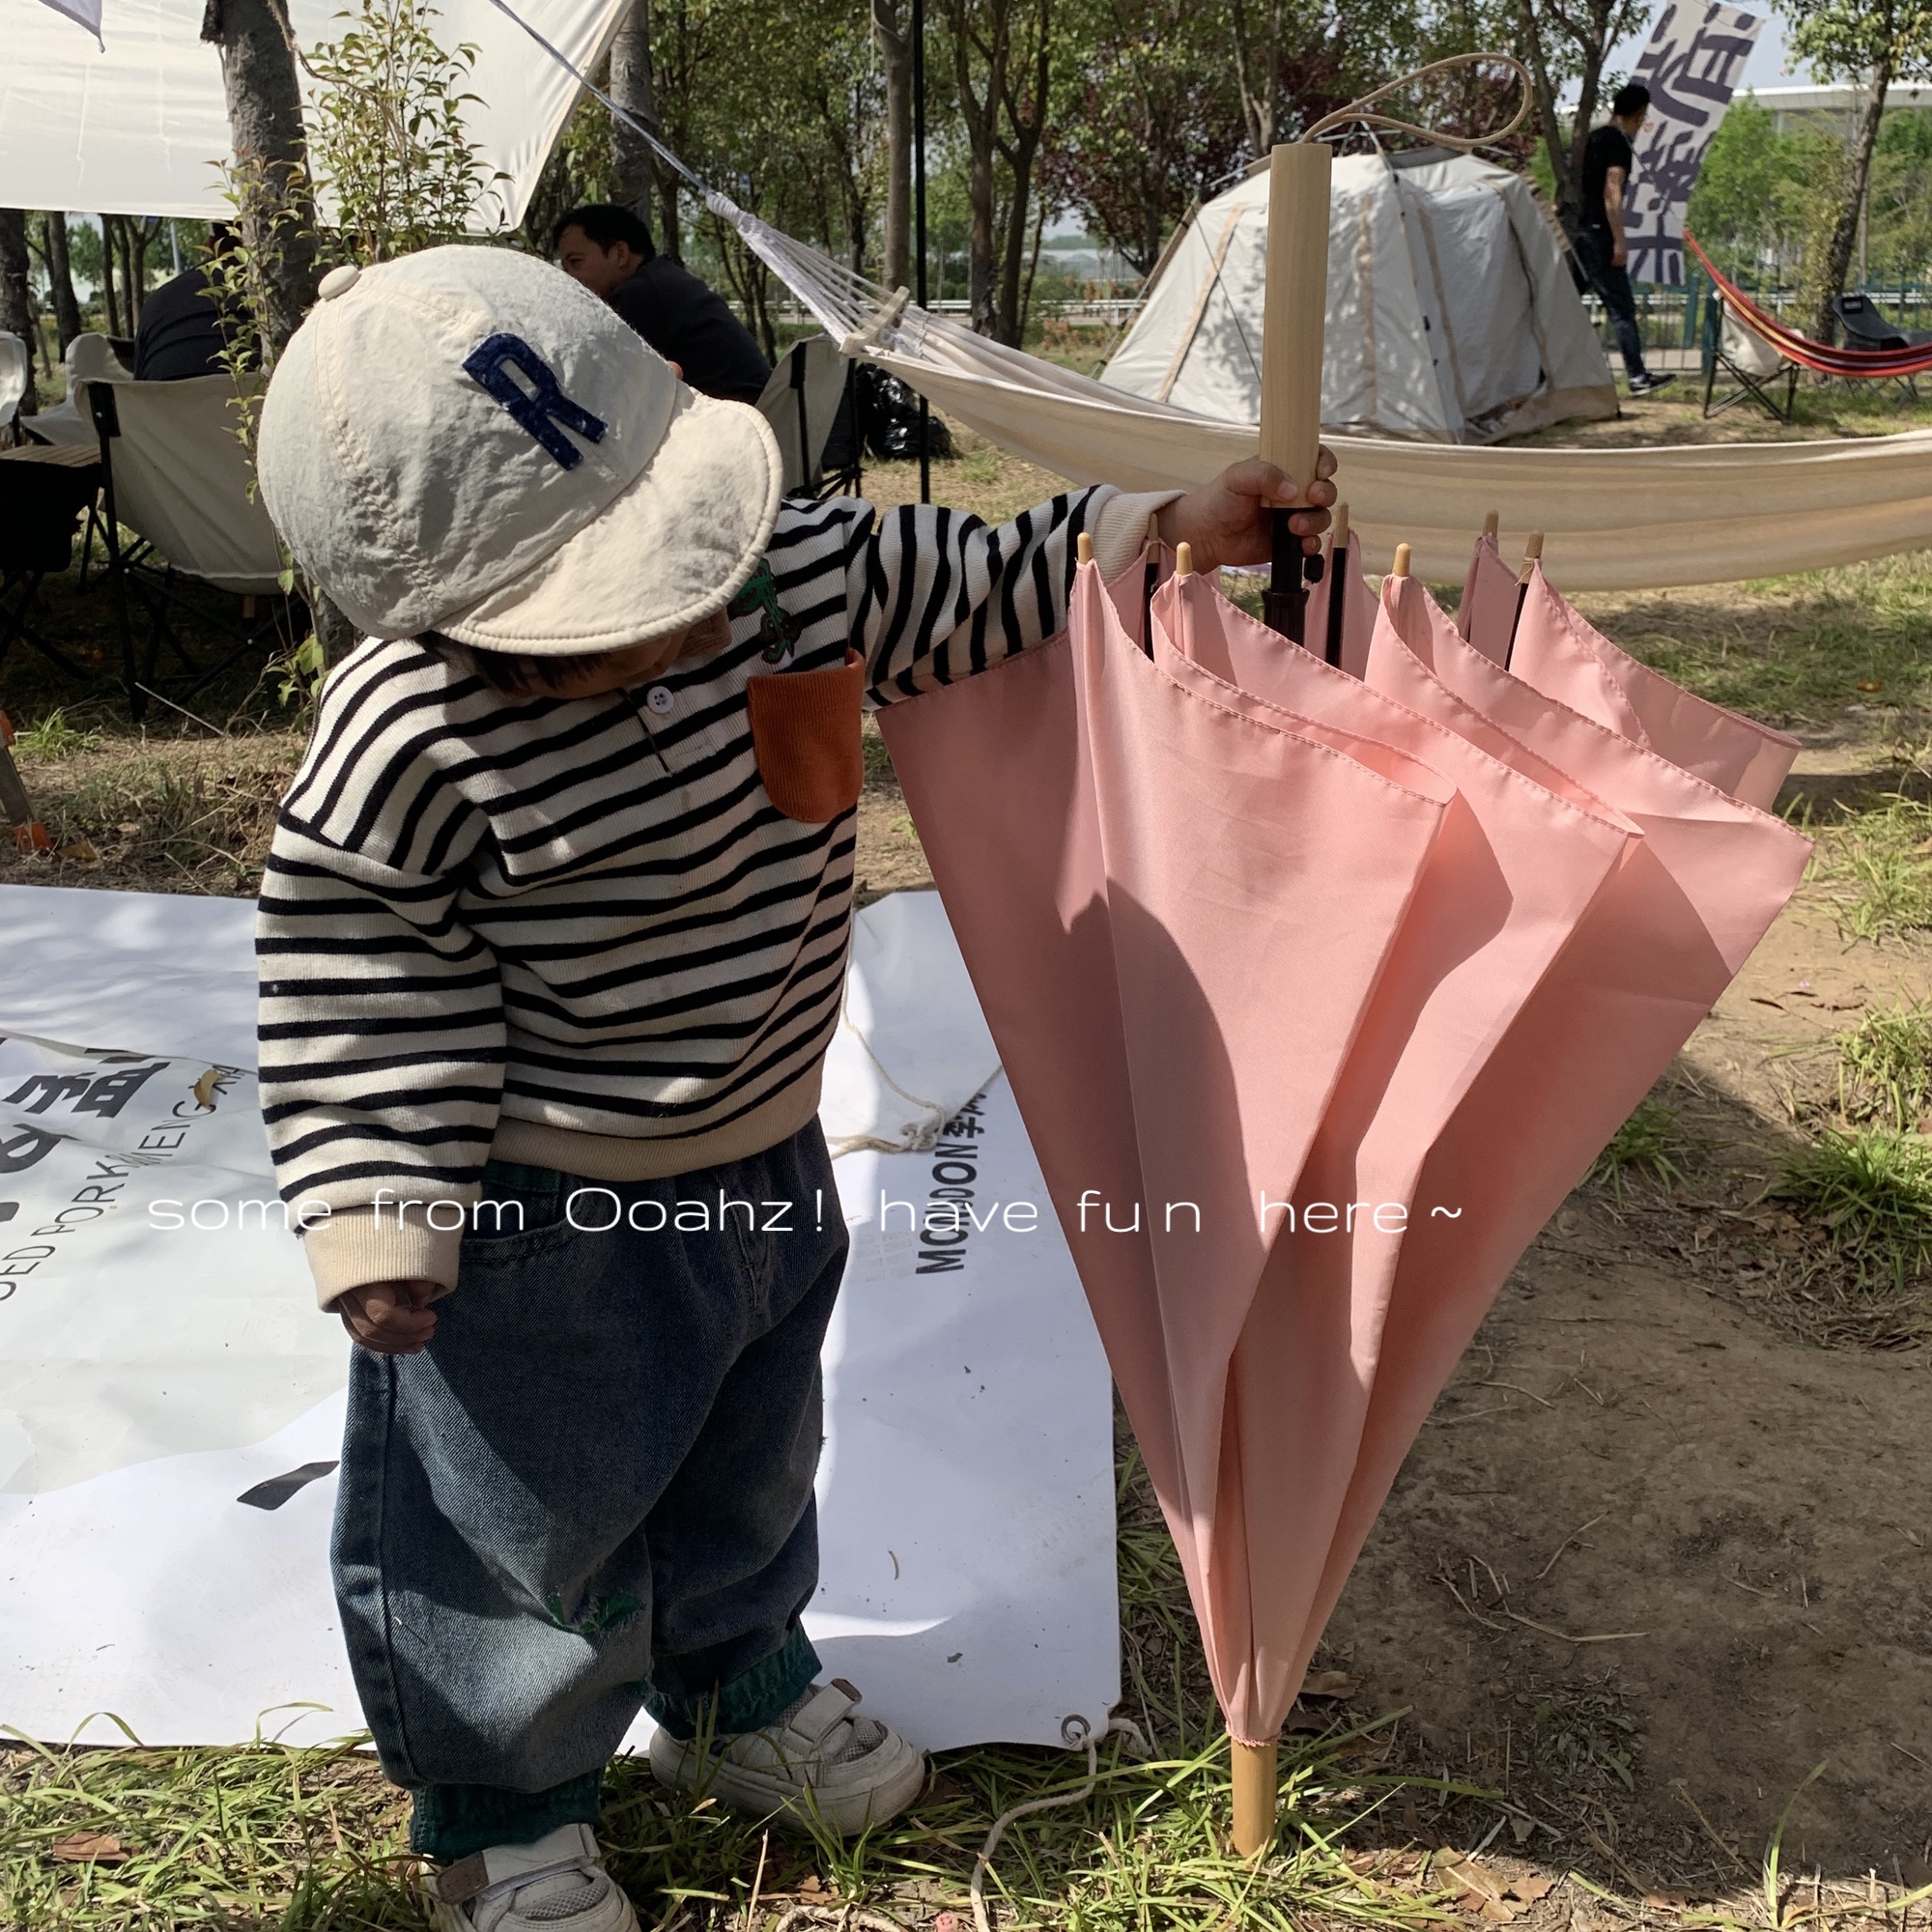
(1292,338)
(1255,1786)
(1338,583)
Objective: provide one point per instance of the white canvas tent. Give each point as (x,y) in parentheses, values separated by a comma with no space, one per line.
(1451,316)
(136,125)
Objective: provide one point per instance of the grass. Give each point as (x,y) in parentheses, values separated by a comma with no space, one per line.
(1878,863)
(53,736)
(1647,1147)
(1792,650)
(311,1840)
(1871,1190)
(1885,1067)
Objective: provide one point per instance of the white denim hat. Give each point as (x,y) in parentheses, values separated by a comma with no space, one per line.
(467,441)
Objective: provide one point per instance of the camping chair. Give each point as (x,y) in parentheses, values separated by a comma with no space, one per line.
(15,370)
(89,358)
(1867,328)
(175,476)
(1752,365)
(800,402)
(43,492)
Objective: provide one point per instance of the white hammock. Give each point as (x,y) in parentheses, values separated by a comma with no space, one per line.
(1613,519)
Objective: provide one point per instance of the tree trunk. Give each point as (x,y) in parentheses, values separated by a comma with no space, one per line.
(110,312)
(895,59)
(264,123)
(631,88)
(1257,73)
(1026,126)
(1547,119)
(981,114)
(60,282)
(16,304)
(1845,233)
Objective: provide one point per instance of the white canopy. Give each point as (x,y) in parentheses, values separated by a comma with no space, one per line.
(1451,317)
(137,128)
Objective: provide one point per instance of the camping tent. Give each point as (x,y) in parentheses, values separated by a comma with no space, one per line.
(137,126)
(1451,317)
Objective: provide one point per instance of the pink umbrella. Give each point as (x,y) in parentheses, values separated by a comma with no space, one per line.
(1153,869)
(1563,657)
(1658,946)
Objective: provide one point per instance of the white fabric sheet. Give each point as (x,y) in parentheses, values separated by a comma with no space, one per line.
(137,127)
(151,1375)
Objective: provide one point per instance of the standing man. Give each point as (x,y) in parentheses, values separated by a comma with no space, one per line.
(687,321)
(1601,247)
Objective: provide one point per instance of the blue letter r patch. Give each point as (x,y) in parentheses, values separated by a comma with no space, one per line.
(542,407)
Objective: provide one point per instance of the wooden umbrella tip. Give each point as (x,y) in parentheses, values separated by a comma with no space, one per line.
(1183,560)
(1153,528)
(1534,547)
(1084,547)
(1341,527)
(1491,524)
(1402,556)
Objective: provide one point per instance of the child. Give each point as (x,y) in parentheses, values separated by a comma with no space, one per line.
(552,941)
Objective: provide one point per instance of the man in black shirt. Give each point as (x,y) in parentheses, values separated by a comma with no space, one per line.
(1607,160)
(610,252)
(181,335)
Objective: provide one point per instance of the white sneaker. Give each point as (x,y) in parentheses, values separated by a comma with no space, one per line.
(557,1885)
(817,1762)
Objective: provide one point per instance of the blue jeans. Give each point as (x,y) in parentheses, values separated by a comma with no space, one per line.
(592,1491)
(1613,285)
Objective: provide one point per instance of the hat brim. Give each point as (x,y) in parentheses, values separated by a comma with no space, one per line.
(673,546)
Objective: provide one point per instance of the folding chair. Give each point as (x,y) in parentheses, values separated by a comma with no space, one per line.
(801,402)
(1865,327)
(89,358)
(1749,362)
(174,473)
(43,492)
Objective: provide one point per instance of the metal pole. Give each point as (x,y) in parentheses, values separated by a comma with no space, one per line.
(919,221)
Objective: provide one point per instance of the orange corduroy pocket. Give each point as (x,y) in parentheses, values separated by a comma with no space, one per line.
(805,730)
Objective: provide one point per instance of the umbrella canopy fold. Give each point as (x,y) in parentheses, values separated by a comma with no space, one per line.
(1659,945)
(1486,617)
(1562,656)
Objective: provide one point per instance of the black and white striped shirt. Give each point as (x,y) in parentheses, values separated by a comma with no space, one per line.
(577,933)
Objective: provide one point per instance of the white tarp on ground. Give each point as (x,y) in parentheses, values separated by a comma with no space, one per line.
(149,1379)
(1451,317)
(136,127)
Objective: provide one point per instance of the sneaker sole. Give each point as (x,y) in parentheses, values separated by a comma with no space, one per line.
(764,1795)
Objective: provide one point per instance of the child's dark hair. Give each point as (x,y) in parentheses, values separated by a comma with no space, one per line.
(514,676)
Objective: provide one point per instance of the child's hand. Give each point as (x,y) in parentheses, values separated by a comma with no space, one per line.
(1232,518)
(390,1317)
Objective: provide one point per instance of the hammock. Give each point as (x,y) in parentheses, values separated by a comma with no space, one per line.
(1613,519)
(1820,357)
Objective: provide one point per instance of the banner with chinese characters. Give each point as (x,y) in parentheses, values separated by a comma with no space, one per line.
(1696,56)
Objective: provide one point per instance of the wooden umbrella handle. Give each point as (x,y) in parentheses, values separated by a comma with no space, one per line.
(1255,1789)
(1297,308)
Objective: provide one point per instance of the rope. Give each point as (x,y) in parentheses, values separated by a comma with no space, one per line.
(1351,116)
(1125,1726)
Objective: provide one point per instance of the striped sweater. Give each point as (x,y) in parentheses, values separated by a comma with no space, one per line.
(577,933)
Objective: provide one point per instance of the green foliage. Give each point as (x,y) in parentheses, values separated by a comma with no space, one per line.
(298,676)
(1885,1067)
(1647,1147)
(1881,863)
(1760,194)
(1871,1190)
(53,737)
(394,167)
